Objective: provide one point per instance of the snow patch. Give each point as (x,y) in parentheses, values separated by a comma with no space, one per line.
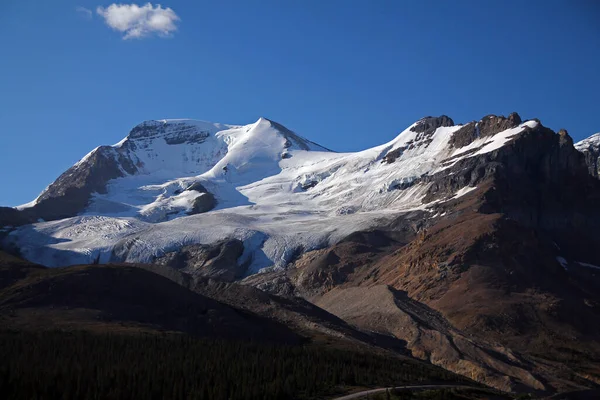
(592,142)
(463,191)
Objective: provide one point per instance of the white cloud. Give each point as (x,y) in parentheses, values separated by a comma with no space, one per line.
(139,21)
(84,12)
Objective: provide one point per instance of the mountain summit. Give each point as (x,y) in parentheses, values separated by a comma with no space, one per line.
(156,152)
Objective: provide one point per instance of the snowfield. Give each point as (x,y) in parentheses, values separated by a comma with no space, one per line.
(592,142)
(277,192)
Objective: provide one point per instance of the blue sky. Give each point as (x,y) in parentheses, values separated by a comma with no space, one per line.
(346,74)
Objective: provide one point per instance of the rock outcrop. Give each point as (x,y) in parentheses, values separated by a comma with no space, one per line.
(203,203)
(488,126)
(219,261)
(173,133)
(71,192)
(428,125)
(425,128)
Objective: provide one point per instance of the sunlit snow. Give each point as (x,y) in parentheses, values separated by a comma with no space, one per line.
(275,191)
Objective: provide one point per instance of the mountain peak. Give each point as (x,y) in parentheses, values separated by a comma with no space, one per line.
(293,139)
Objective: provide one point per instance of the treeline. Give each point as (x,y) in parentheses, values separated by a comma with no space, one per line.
(56,365)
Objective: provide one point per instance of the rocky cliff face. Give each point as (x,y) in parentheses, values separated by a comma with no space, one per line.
(488,126)
(540,180)
(173,133)
(590,148)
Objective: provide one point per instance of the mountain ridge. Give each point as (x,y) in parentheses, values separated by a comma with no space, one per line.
(247,178)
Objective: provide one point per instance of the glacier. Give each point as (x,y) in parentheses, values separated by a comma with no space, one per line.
(276,191)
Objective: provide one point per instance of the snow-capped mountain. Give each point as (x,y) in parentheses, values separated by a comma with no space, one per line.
(474,244)
(590,147)
(173,183)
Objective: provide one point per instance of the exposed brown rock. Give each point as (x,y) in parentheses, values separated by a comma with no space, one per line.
(565,138)
(465,135)
(537,178)
(428,335)
(488,126)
